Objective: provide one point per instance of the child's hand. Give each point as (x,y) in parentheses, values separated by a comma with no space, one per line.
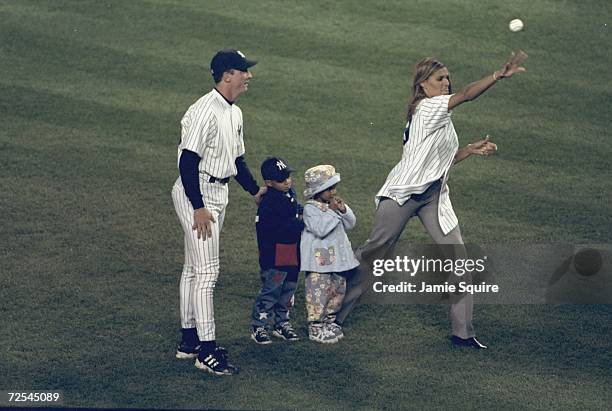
(337,203)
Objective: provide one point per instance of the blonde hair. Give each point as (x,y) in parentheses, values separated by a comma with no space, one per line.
(422,71)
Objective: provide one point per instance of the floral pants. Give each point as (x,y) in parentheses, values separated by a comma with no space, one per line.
(324,295)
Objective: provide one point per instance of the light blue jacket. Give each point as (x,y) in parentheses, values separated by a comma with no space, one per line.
(324,247)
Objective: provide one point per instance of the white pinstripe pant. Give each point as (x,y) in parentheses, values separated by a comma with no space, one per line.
(201,267)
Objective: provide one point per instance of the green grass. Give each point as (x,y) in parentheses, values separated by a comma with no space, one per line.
(91,95)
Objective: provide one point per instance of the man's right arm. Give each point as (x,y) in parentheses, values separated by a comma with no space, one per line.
(202,218)
(188,167)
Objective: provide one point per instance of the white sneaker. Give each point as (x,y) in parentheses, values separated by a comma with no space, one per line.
(335,329)
(320,333)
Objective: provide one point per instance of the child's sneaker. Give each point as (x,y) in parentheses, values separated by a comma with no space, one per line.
(260,335)
(285,331)
(319,333)
(335,329)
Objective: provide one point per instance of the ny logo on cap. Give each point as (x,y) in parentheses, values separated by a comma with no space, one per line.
(280,165)
(241,54)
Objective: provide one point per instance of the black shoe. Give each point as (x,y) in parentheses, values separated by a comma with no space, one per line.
(286,332)
(260,335)
(468,342)
(216,362)
(187,351)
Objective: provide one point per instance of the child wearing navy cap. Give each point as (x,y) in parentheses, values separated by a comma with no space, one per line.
(279,226)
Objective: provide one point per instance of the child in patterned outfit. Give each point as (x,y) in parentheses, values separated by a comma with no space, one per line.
(326,252)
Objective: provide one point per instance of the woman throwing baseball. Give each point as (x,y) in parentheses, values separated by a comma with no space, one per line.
(417,184)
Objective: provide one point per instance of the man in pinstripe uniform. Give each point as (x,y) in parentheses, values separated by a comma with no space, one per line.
(417,185)
(210,152)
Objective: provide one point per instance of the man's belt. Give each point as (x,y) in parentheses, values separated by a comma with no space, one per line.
(212,179)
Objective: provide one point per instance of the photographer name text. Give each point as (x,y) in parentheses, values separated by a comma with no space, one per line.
(423,287)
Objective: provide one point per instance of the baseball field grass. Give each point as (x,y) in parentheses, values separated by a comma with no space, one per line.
(91,97)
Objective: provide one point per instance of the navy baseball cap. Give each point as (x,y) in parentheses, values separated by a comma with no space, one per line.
(228,59)
(275,168)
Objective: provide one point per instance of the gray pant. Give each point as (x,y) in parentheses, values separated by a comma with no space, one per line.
(274,300)
(389,223)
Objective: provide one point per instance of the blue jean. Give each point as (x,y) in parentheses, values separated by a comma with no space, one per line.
(275,299)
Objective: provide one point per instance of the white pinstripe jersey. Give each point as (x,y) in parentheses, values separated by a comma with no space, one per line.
(428,155)
(212,128)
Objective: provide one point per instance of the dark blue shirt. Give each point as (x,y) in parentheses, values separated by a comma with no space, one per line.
(279,229)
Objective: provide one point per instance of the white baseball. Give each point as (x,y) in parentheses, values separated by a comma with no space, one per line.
(516,25)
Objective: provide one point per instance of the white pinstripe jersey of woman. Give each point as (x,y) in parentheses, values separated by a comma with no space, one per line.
(427,156)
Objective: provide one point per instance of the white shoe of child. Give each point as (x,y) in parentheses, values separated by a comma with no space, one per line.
(335,329)
(318,332)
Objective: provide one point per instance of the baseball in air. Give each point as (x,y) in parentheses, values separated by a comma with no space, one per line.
(516,25)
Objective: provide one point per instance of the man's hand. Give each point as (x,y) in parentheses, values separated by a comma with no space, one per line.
(260,193)
(202,222)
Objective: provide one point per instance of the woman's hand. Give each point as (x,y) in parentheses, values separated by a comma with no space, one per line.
(482,147)
(513,65)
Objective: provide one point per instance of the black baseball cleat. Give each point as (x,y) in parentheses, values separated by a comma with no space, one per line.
(187,351)
(216,362)
(468,342)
